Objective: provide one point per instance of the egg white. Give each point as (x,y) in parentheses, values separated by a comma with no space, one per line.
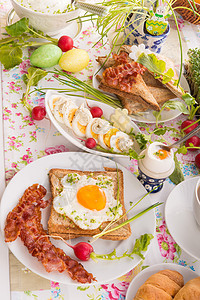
(68,110)
(66,202)
(95,127)
(121,142)
(81,119)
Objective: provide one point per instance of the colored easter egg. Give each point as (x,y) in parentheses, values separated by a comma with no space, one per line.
(46,56)
(74,60)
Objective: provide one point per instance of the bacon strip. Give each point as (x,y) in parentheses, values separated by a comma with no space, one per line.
(25,221)
(122,74)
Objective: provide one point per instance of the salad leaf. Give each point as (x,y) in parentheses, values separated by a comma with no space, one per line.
(152,63)
(160,131)
(167,76)
(141,245)
(189,100)
(32,78)
(18,28)
(177,176)
(10,56)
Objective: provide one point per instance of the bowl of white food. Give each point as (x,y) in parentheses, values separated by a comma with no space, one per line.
(48,16)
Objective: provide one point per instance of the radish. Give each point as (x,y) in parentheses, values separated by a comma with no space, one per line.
(96,111)
(82,250)
(38,113)
(195,141)
(189,123)
(65,43)
(197,160)
(90,143)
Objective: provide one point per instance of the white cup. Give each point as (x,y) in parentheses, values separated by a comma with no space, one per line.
(196,202)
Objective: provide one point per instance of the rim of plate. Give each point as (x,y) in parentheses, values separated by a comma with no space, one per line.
(166,218)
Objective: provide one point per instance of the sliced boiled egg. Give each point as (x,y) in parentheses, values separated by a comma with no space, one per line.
(56,103)
(68,110)
(80,121)
(104,138)
(121,142)
(95,127)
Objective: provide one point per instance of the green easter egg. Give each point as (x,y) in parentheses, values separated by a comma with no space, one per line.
(46,56)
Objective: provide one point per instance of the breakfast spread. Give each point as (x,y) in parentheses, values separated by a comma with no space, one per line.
(25,221)
(83,125)
(168,285)
(84,203)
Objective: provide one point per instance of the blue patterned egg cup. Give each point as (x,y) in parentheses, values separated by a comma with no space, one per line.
(136,34)
(150,183)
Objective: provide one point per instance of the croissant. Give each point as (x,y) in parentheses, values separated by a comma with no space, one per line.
(163,285)
(190,291)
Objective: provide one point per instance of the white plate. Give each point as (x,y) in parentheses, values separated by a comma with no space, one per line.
(144,275)
(104,271)
(68,133)
(180,219)
(148,116)
(73,29)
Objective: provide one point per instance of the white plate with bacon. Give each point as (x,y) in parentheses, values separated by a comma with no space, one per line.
(143,114)
(37,173)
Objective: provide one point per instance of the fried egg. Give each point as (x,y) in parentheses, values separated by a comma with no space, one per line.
(104,138)
(95,127)
(87,201)
(80,121)
(121,142)
(56,103)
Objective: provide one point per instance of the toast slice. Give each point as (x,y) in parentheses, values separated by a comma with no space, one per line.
(65,227)
(139,88)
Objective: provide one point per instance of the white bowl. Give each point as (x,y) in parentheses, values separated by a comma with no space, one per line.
(50,24)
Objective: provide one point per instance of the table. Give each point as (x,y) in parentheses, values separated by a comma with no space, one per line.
(24,141)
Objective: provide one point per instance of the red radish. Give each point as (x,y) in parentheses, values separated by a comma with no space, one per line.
(82,250)
(197,160)
(195,140)
(96,111)
(90,143)
(65,43)
(187,123)
(38,113)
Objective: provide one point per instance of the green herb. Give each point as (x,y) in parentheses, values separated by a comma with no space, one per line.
(21,34)
(171,104)
(177,176)
(141,140)
(129,220)
(32,78)
(76,85)
(141,245)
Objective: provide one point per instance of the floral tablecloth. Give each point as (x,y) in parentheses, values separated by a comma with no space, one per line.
(26,140)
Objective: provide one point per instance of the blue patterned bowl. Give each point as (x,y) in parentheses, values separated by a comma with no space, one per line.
(150,183)
(136,34)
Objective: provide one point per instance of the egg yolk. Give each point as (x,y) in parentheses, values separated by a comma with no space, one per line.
(54,101)
(71,115)
(107,136)
(91,197)
(162,154)
(82,128)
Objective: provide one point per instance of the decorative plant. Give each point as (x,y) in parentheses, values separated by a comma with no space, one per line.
(119,10)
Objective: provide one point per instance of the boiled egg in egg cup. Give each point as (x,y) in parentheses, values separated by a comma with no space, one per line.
(155,167)
(80,121)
